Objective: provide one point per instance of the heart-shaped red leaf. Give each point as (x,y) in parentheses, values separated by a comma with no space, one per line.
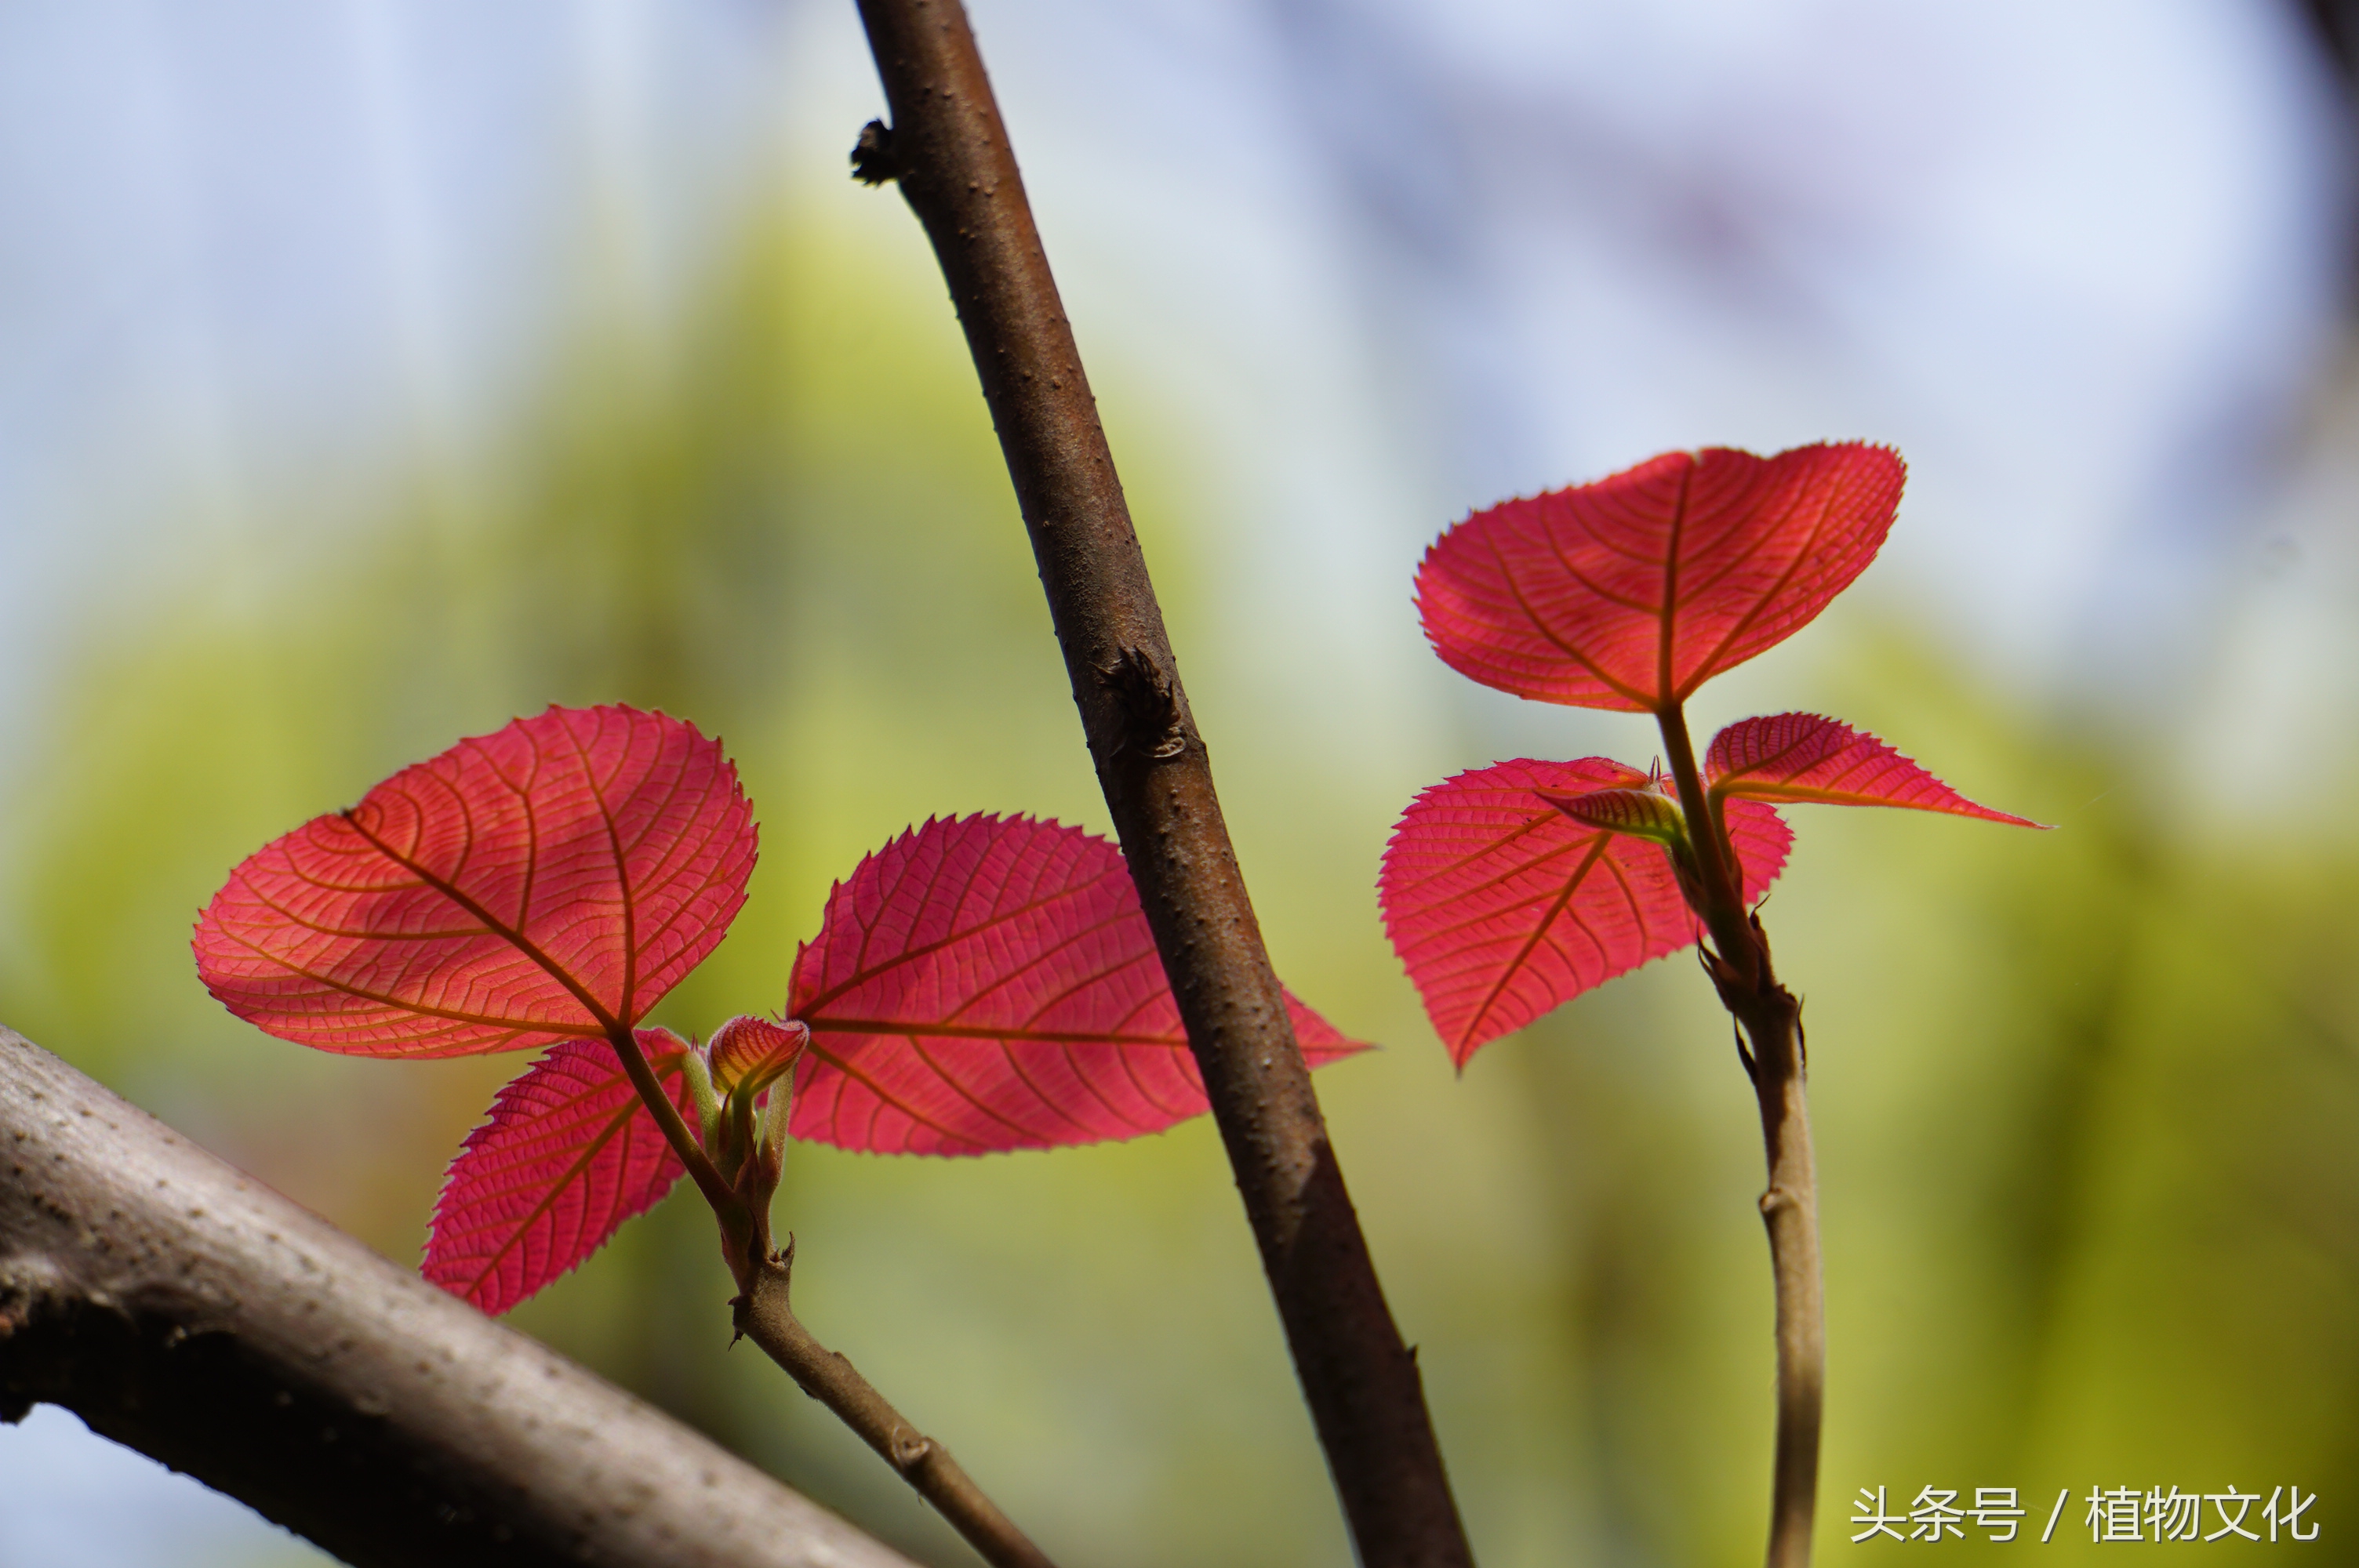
(990,983)
(1802,757)
(1630,592)
(569,1154)
(1502,907)
(550,880)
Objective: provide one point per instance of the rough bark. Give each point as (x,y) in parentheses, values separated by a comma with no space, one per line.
(946,147)
(184,1309)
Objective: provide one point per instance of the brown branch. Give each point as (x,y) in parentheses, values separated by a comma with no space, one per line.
(186,1310)
(765,1315)
(1772,1021)
(950,152)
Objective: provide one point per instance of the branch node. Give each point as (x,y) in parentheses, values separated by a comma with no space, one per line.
(909,1448)
(873,159)
(1149,702)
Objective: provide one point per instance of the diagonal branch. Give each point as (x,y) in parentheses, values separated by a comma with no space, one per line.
(951,154)
(765,1313)
(187,1311)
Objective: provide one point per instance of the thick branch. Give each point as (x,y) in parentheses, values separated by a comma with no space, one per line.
(765,1316)
(949,151)
(187,1311)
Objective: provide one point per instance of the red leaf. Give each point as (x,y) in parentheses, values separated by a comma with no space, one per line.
(569,1154)
(1502,907)
(1641,813)
(754,1051)
(990,983)
(1802,757)
(542,883)
(1630,592)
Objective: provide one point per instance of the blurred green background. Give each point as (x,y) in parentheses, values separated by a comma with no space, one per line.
(2083,1099)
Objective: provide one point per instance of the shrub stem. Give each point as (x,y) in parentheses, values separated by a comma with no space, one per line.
(1771,1018)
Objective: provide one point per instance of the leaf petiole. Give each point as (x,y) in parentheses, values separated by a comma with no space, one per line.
(1722,906)
(728,1206)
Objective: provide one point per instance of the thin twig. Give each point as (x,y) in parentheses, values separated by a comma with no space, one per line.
(950,152)
(765,1315)
(1772,1018)
(1789,1209)
(187,1311)
(761,1313)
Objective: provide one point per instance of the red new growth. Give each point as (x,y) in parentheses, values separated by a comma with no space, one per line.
(550,880)
(988,983)
(754,1051)
(1631,592)
(1511,890)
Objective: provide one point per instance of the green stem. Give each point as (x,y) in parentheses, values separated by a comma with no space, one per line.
(726,1206)
(708,1104)
(1723,910)
(774,1117)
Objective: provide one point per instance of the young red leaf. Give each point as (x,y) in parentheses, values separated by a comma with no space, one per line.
(569,1154)
(1502,907)
(1630,592)
(990,983)
(546,882)
(1802,757)
(754,1051)
(1638,812)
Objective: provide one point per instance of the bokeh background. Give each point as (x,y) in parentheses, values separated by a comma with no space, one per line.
(372,372)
